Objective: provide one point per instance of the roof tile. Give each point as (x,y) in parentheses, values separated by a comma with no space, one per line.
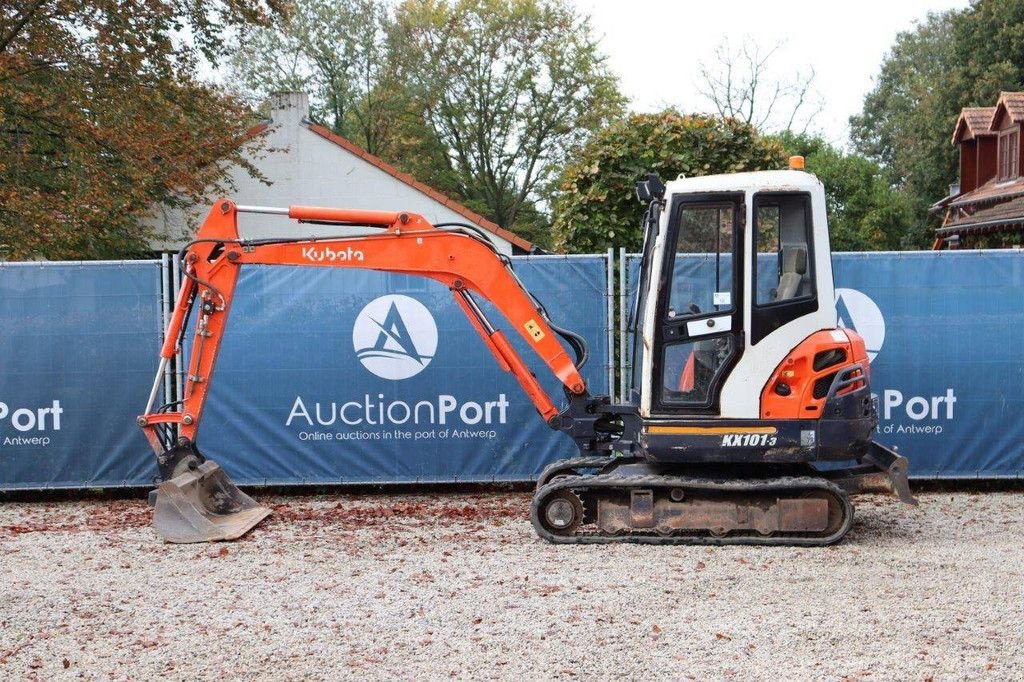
(973,121)
(992,190)
(1005,214)
(1014,105)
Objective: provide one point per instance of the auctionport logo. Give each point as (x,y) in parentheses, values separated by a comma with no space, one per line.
(33,424)
(858,312)
(395,337)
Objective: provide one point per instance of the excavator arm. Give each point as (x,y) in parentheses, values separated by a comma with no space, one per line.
(457,257)
(467,264)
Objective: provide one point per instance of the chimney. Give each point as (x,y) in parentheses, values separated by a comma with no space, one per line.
(289,109)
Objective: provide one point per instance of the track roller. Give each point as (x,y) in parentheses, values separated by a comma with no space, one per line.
(562,514)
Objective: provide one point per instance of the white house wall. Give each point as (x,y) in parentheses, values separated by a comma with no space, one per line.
(313,172)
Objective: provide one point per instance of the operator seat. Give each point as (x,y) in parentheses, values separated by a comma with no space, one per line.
(794,267)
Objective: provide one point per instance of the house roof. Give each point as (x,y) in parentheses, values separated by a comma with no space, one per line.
(973,121)
(941,204)
(1012,104)
(993,206)
(450,203)
(993,190)
(988,218)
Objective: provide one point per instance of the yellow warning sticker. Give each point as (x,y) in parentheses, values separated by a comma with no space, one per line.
(534,330)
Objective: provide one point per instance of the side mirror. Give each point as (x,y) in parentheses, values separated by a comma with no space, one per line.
(650,188)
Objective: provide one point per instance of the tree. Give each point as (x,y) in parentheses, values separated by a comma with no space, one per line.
(949,61)
(865,213)
(739,84)
(596,206)
(508,88)
(338,51)
(102,114)
(906,122)
(988,50)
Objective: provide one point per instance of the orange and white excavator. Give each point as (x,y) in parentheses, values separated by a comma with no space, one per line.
(743,384)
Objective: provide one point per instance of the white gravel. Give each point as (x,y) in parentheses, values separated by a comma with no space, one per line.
(425,587)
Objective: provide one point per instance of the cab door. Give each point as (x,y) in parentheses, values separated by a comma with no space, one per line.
(699,324)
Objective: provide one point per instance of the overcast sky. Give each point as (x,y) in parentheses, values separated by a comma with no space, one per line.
(655,46)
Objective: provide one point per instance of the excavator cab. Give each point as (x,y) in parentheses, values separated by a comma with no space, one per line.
(736,325)
(731,281)
(753,411)
(742,385)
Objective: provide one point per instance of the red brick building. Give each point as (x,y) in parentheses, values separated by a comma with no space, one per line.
(987,208)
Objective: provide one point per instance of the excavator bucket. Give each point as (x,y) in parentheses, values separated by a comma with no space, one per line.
(203,505)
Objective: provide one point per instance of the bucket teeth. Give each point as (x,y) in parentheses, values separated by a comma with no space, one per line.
(203,505)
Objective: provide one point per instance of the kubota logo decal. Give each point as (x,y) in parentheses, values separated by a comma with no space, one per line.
(326,253)
(858,312)
(395,337)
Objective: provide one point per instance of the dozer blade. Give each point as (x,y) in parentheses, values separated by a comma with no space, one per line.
(878,470)
(203,505)
(896,469)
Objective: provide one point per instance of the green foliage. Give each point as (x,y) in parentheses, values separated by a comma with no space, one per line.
(865,213)
(988,52)
(905,124)
(102,115)
(596,207)
(508,88)
(951,60)
(481,99)
(338,52)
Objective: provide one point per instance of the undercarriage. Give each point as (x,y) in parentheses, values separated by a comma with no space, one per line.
(590,500)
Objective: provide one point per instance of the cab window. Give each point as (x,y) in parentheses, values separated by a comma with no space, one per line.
(784,278)
(695,354)
(782,230)
(702,270)
(689,369)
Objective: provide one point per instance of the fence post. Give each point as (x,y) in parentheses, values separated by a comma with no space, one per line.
(179,369)
(623,314)
(165,311)
(610,308)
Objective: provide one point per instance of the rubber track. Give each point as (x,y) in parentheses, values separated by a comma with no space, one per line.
(590,462)
(612,482)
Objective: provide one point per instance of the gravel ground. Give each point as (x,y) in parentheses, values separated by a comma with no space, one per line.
(436,586)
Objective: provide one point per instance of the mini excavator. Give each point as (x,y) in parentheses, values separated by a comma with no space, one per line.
(749,416)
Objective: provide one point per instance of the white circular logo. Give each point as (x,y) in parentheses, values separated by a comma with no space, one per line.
(858,312)
(395,337)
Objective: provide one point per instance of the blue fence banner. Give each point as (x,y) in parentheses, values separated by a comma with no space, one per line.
(943,331)
(348,376)
(79,343)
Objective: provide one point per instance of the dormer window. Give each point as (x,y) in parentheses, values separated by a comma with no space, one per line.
(1009,154)
(987,210)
